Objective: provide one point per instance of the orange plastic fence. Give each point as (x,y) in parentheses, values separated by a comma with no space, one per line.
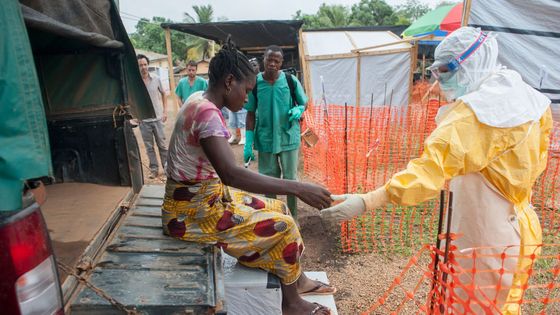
(359,149)
(463,282)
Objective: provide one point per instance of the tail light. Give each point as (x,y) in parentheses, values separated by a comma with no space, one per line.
(29,281)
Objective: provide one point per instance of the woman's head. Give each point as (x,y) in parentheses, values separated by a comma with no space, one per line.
(231,74)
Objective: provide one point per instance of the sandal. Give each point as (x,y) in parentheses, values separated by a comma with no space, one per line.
(318,308)
(316,289)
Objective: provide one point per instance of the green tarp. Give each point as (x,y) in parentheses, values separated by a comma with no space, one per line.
(24,145)
(429,22)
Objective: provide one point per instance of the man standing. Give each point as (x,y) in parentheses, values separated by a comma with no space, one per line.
(192,83)
(278,105)
(153,127)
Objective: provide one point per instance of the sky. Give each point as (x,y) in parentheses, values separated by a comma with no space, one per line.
(132,10)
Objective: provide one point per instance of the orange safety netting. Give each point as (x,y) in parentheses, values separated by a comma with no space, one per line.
(360,148)
(461,282)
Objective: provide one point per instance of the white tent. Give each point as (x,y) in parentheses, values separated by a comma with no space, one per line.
(528,37)
(351,72)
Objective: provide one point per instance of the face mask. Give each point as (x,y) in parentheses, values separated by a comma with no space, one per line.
(452,89)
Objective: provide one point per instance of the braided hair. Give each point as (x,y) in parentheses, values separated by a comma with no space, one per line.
(229,60)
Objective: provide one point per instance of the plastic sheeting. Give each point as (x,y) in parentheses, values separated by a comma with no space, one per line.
(339,78)
(386,74)
(528,42)
(330,43)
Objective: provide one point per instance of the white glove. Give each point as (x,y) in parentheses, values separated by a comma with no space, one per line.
(351,206)
(354,205)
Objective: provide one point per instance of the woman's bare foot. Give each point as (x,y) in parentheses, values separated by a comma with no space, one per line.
(306,286)
(293,304)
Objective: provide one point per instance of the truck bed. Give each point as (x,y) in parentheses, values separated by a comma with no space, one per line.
(150,272)
(74,213)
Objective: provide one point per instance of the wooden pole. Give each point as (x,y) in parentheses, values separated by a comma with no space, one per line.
(358,80)
(413,59)
(423,65)
(170,62)
(406,40)
(466,12)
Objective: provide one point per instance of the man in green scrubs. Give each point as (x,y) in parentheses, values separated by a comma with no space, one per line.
(273,121)
(192,83)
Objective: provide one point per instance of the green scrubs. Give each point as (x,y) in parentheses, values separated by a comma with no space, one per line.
(276,138)
(184,89)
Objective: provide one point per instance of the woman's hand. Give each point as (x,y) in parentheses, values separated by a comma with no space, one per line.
(314,195)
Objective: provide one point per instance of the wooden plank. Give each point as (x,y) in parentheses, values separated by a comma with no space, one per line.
(147,211)
(384,52)
(144,231)
(154,202)
(170,61)
(143,221)
(358,84)
(136,261)
(305,66)
(146,245)
(402,41)
(466,13)
(262,48)
(153,191)
(330,56)
(413,61)
(351,40)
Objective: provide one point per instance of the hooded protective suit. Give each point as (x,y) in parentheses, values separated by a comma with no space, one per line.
(491,143)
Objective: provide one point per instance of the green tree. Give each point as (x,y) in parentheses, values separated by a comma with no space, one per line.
(204,14)
(200,48)
(412,10)
(373,12)
(150,36)
(326,16)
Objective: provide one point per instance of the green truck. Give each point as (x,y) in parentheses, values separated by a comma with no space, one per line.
(69,86)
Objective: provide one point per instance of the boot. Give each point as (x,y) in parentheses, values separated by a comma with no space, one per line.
(242,141)
(234,139)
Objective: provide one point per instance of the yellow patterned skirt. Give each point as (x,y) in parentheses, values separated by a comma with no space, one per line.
(258,231)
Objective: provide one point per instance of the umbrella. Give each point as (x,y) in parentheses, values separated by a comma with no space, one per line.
(438,22)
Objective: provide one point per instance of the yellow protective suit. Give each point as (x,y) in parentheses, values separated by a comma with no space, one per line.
(509,159)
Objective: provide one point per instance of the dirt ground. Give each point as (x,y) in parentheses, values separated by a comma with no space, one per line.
(360,279)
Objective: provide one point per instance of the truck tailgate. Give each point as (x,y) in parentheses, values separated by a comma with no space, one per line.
(150,272)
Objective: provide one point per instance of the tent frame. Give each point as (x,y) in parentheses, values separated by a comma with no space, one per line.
(355,53)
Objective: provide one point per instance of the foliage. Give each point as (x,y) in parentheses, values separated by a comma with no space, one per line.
(200,48)
(327,16)
(204,14)
(373,12)
(364,13)
(412,10)
(150,36)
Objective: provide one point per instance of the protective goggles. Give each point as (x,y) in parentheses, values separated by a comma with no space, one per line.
(453,64)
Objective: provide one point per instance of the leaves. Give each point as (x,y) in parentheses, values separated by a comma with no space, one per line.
(363,13)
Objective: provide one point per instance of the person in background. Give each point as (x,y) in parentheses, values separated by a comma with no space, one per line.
(273,121)
(199,205)
(492,144)
(192,83)
(152,128)
(237,120)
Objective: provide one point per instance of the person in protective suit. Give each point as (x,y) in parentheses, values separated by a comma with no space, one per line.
(492,144)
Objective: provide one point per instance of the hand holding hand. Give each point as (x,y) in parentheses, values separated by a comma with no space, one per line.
(314,195)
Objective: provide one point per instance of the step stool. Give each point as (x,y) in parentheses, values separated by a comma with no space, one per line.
(251,291)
